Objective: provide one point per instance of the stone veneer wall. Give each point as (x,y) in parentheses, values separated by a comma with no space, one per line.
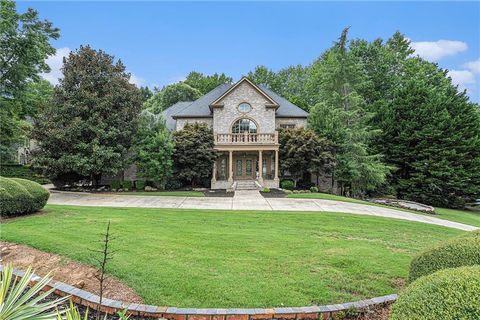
(224,117)
(90,300)
(298,122)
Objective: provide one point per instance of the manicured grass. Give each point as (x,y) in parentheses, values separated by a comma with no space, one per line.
(325,196)
(204,258)
(463,216)
(163,193)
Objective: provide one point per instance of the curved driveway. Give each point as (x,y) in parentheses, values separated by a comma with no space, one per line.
(243,200)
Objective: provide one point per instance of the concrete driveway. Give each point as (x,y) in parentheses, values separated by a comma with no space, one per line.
(244,200)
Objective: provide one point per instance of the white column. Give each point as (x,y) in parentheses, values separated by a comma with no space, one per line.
(276,166)
(260,167)
(214,173)
(230,166)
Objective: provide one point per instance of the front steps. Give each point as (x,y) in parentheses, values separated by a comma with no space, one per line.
(245,185)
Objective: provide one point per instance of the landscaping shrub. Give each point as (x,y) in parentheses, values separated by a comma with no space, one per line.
(20,171)
(126,185)
(140,185)
(20,196)
(115,185)
(266,190)
(446,294)
(456,252)
(287,184)
(314,189)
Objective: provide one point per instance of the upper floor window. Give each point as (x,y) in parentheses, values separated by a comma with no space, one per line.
(244,107)
(244,125)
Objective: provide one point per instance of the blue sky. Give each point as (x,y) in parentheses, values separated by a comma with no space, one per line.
(161,42)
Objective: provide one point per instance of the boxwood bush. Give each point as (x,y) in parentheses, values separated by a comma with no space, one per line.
(446,294)
(20,196)
(457,252)
(287,184)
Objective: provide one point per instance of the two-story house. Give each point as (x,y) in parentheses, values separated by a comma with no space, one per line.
(245,118)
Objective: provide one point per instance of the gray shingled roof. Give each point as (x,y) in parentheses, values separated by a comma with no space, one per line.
(286,109)
(173,110)
(200,108)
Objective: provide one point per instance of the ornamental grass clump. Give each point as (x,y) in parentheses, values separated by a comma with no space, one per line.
(449,294)
(457,252)
(18,301)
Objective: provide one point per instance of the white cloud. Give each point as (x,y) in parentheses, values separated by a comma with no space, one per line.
(473,66)
(435,50)
(55,63)
(136,80)
(465,79)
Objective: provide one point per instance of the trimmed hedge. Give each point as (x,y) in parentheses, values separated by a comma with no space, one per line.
(287,184)
(20,196)
(8,170)
(457,252)
(448,294)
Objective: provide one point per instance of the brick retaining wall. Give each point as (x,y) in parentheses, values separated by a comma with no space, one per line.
(88,299)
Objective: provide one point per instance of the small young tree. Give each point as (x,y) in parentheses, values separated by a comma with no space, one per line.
(194,154)
(153,149)
(88,128)
(102,256)
(302,151)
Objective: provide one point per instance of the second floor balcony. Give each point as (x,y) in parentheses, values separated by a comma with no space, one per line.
(246,138)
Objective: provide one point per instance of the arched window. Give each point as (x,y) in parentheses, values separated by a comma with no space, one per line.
(244,125)
(244,107)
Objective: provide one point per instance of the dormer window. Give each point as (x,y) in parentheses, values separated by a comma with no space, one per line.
(244,125)
(244,107)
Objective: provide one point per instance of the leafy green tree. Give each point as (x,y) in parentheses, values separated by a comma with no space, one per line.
(153,149)
(205,84)
(170,95)
(15,116)
(194,154)
(431,133)
(288,82)
(302,151)
(341,116)
(87,130)
(146,93)
(24,46)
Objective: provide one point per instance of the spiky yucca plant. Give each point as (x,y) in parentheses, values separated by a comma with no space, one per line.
(19,302)
(72,313)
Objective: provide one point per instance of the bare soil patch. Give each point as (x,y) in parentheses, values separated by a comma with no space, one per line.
(64,270)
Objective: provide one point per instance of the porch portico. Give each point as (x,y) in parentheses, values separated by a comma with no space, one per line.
(246,156)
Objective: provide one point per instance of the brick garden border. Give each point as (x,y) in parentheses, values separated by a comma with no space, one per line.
(90,300)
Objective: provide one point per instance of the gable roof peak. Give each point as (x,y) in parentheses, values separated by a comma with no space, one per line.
(272,102)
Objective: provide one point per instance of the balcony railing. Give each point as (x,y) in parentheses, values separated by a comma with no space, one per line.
(246,138)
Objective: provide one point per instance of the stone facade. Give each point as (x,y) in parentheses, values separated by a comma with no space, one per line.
(183,121)
(295,122)
(224,117)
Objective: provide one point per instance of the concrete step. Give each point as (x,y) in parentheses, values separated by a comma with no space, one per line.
(246,185)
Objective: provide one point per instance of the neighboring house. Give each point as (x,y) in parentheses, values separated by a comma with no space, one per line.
(245,118)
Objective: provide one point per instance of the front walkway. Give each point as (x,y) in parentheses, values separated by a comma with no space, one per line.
(243,200)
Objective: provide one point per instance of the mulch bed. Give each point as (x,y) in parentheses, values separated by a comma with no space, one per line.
(274,193)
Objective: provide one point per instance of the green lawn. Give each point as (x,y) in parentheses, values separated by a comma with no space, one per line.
(463,216)
(163,193)
(200,258)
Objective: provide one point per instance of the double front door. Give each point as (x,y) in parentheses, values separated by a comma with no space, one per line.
(244,168)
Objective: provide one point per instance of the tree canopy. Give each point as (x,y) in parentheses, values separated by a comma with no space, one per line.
(87,130)
(169,95)
(194,154)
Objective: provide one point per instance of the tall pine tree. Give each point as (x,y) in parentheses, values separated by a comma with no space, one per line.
(341,116)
